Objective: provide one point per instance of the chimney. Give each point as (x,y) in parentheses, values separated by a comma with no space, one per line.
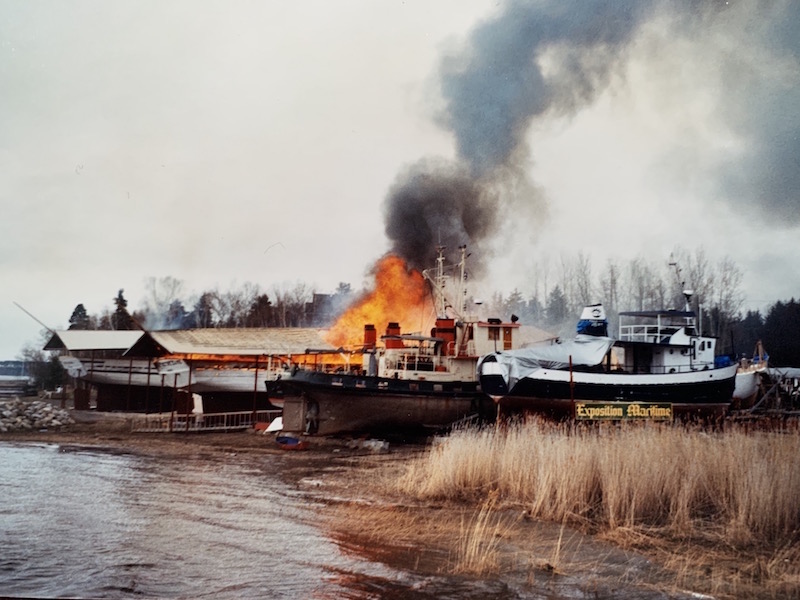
(446,329)
(393,329)
(370,337)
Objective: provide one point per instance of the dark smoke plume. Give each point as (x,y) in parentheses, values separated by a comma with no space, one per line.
(436,203)
(552,58)
(492,93)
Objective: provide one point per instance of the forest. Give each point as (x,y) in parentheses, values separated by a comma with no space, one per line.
(557,291)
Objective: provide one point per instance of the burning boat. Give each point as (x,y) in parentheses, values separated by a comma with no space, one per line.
(409,381)
(659,367)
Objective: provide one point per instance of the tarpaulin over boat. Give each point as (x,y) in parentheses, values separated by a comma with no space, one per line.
(584,350)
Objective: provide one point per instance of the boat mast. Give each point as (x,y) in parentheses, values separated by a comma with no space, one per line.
(687,295)
(462,286)
(439,284)
(441,281)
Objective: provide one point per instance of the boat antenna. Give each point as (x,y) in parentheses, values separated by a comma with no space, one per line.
(34,318)
(687,294)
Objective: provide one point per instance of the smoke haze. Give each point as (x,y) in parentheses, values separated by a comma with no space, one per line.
(536,62)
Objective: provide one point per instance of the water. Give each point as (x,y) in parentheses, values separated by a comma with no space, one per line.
(84,523)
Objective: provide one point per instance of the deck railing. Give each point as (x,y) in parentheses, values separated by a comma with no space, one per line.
(178,423)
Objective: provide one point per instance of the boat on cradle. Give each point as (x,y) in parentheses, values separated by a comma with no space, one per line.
(411,381)
(748,377)
(659,367)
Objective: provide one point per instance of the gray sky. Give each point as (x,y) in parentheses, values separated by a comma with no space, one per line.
(229,142)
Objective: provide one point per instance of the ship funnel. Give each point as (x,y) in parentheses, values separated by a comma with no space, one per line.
(392,338)
(370,337)
(593,321)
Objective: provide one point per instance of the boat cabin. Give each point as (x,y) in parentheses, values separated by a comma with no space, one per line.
(450,351)
(665,341)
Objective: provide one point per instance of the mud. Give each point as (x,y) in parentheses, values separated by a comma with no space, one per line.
(365,517)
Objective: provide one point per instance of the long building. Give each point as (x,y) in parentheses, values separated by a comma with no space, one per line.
(158,371)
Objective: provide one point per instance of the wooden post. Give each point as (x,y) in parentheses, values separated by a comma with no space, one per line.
(571,388)
(255,394)
(174,397)
(189,400)
(147,388)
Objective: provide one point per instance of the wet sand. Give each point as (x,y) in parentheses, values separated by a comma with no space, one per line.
(364,516)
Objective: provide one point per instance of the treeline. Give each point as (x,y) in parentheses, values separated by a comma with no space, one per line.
(558,289)
(247,306)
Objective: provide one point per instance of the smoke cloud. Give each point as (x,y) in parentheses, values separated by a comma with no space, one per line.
(551,59)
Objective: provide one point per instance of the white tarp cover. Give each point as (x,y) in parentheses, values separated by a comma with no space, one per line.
(585,350)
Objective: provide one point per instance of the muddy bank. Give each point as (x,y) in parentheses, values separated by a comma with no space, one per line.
(512,556)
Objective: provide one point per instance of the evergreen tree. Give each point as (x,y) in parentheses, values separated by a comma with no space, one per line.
(556,307)
(782,334)
(260,313)
(202,315)
(121,319)
(746,333)
(79,318)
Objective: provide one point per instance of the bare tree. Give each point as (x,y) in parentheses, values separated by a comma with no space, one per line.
(582,276)
(609,285)
(639,283)
(160,293)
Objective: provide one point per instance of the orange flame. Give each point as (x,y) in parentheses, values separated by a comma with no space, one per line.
(400,295)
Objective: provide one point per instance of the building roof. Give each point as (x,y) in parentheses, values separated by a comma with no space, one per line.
(81,339)
(267,341)
(528,335)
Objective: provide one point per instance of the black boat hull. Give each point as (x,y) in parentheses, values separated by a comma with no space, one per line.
(555,393)
(341,403)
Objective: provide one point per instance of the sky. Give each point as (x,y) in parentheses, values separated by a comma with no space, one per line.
(278,143)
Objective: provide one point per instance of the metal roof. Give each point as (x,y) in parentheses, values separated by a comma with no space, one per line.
(275,341)
(81,339)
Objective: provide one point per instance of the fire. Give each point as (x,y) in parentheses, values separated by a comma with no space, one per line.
(400,295)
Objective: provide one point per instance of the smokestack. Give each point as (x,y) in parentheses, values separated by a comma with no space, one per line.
(370,337)
(446,330)
(393,329)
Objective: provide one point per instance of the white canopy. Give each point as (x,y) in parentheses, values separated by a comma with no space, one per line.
(583,350)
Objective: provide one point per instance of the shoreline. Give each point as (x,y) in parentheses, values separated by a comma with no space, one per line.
(363,514)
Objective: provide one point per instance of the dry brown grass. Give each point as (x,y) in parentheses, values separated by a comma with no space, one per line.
(683,480)
(694,497)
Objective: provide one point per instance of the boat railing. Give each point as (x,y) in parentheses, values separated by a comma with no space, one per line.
(651,334)
(177,423)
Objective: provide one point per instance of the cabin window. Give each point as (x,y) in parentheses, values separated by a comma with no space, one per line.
(494,334)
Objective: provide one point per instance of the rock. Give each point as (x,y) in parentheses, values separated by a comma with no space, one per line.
(16,414)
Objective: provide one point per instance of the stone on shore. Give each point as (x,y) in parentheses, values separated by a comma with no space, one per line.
(18,415)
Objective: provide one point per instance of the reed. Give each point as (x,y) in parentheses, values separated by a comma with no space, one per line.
(478,548)
(744,486)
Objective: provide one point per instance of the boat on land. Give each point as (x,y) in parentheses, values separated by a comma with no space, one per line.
(659,367)
(749,376)
(408,381)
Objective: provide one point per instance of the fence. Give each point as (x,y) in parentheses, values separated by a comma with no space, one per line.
(178,423)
